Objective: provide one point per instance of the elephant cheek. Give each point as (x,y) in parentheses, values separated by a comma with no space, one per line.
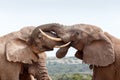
(78,45)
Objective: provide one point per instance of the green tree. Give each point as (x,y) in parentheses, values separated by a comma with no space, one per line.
(76,77)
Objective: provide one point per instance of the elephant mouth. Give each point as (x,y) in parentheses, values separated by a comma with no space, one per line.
(47,48)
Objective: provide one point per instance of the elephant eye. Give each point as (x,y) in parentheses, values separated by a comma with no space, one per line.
(39,36)
(53,33)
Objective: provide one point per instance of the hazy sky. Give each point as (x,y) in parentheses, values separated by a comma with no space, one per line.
(15,14)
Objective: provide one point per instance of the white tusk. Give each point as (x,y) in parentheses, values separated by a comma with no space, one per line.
(62,45)
(32,77)
(52,38)
(49,77)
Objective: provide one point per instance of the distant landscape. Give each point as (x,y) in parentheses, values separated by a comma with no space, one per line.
(69,68)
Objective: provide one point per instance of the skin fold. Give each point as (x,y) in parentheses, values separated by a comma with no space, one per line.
(93,45)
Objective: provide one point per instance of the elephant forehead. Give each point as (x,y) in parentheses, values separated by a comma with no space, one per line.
(87,28)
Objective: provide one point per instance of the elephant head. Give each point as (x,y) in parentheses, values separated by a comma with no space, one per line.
(18,49)
(23,48)
(93,46)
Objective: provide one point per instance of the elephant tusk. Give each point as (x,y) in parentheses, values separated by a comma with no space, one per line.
(32,77)
(52,38)
(62,45)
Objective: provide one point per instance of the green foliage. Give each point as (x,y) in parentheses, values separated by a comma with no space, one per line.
(76,76)
(68,69)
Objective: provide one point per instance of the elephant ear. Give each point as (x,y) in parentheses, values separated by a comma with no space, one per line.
(18,51)
(99,50)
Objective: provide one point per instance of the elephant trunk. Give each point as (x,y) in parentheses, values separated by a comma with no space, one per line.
(43,74)
(39,71)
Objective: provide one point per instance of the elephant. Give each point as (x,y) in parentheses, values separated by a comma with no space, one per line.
(94,46)
(20,58)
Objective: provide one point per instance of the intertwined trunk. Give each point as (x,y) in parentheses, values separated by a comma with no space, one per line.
(57,28)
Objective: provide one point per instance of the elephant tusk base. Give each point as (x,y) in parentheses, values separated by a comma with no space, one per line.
(62,45)
(32,77)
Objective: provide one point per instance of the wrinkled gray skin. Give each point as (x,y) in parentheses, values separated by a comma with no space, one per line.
(19,59)
(94,47)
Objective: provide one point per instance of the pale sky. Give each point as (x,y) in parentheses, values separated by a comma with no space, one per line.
(15,14)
